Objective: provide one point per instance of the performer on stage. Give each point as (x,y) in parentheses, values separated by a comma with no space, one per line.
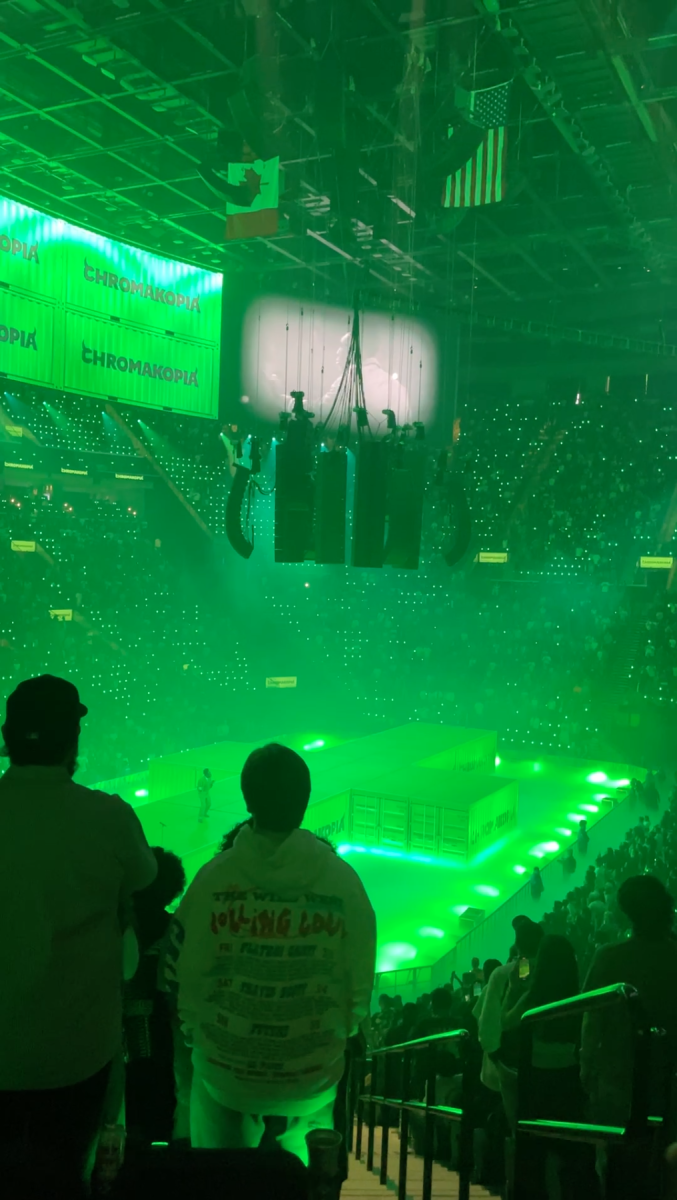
(204,786)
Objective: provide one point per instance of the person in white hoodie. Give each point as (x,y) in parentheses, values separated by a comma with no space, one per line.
(271,957)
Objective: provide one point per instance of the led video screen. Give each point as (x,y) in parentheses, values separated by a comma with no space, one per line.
(88,314)
(290,346)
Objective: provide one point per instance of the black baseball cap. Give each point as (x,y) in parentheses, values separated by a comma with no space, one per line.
(40,706)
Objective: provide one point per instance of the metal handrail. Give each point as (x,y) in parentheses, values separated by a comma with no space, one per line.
(430,1111)
(574,1006)
(418,1043)
(639,1124)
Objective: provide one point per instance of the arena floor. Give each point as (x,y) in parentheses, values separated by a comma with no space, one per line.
(420,905)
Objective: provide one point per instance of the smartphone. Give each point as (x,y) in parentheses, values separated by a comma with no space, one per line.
(524,968)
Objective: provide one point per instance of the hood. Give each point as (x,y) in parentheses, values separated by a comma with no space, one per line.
(299,862)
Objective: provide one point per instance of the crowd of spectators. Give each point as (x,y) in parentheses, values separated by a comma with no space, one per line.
(615,927)
(570,490)
(657,667)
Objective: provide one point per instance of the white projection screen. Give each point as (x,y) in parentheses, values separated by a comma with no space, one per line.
(289,345)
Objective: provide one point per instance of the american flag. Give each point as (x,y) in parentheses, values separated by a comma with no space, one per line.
(482,179)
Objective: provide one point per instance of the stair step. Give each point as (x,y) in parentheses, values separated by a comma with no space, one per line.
(364,1184)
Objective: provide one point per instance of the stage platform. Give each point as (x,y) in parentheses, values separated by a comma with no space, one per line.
(419,895)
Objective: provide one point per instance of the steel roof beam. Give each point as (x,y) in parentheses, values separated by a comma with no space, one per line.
(547,93)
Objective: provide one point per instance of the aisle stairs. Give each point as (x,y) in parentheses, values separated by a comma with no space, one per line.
(364,1185)
(622,673)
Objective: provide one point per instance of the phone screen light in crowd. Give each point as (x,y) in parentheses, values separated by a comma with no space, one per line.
(590,807)
(429,931)
(314,745)
(141,792)
(485,889)
(563,832)
(597,777)
(519,869)
(497,761)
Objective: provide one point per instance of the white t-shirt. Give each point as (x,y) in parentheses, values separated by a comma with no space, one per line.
(69,857)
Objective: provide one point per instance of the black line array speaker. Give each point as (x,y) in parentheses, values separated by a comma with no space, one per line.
(369,510)
(330,507)
(294,494)
(406,487)
(234,513)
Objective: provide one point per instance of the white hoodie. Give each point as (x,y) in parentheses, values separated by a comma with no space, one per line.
(272,951)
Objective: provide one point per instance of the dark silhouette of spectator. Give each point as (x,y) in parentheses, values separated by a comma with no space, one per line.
(70,859)
(536,885)
(150,1099)
(569,862)
(272,962)
(648,961)
(488,969)
(583,838)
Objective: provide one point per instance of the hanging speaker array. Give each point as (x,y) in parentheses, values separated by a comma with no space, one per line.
(312,467)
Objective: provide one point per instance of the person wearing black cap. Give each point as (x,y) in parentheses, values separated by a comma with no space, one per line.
(70,859)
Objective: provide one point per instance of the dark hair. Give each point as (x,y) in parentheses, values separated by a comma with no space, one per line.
(169,883)
(275,783)
(555,973)
(47,751)
(441,1000)
(489,967)
(228,839)
(528,936)
(555,977)
(648,906)
(409,1014)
